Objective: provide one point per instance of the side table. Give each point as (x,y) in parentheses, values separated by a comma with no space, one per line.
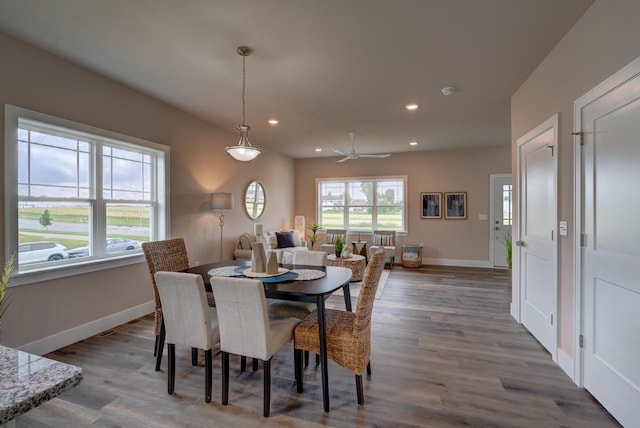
(360,248)
(356,263)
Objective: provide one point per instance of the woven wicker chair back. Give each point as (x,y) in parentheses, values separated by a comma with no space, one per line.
(372,274)
(169,256)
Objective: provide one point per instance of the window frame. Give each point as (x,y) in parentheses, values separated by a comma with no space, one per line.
(374,206)
(159,228)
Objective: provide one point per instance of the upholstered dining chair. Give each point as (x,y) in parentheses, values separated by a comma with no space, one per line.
(247,329)
(169,255)
(348,333)
(300,310)
(188,321)
(310,258)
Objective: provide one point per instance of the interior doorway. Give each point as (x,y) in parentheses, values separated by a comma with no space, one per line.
(537,243)
(607,290)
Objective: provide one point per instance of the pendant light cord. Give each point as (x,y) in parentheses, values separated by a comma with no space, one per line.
(244,83)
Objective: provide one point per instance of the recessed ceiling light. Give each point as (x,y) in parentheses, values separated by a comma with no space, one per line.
(317,149)
(273,121)
(413,143)
(411,106)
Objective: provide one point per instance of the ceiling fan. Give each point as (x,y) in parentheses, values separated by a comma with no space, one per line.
(353,154)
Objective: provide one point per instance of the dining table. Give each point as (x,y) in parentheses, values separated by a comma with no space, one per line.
(300,290)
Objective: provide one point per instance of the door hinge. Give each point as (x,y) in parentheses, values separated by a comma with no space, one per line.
(581,341)
(581,134)
(551,319)
(583,240)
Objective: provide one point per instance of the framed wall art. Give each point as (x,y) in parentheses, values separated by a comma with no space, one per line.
(455,205)
(431,205)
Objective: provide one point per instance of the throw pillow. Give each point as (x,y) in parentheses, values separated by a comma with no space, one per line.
(246,243)
(329,238)
(285,239)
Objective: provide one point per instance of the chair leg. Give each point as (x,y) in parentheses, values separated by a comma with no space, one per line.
(194,356)
(297,363)
(155,346)
(225,378)
(369,369)
(208,374)
(163,334)
(255,365)
(171,367)
(306,358)
(359,389)
(243,363)
(267,388)
(317,359)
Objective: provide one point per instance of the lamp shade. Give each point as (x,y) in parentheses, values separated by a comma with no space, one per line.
(221,201)
(298,224)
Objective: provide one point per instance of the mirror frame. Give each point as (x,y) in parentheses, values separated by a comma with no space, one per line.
(258,185)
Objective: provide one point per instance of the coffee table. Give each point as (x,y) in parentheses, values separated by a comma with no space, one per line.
(356,263)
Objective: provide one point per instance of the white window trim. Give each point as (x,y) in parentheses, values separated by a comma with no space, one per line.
(161,227)
(370,178)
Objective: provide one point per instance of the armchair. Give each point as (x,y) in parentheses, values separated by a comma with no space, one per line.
(330,237)
(385,239)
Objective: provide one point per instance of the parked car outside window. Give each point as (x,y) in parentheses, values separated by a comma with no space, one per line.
(114,245)
(33,252)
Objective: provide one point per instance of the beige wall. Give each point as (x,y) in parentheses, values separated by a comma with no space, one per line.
(437,171)
(603,41)
(38,81)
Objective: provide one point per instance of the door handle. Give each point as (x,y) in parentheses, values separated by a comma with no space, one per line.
(521,243)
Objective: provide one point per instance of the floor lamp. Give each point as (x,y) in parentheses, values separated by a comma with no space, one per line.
(221,201)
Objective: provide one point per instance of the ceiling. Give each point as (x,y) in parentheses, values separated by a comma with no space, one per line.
(323,68)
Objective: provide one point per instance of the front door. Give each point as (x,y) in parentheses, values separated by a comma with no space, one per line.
(537,241)
(610,123)
(501,217)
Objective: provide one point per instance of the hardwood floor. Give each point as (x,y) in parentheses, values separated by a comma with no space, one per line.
(446,353)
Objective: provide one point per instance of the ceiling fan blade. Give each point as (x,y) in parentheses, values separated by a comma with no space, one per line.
(344,159)
(340,152)
(386,155)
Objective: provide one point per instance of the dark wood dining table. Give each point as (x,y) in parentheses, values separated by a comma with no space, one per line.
(314,291)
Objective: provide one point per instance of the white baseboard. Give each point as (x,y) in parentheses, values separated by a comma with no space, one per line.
(566,363)
(458,262)
(75,334)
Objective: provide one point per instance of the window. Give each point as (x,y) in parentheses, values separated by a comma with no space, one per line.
(78,195)
(362,204)
(506,205)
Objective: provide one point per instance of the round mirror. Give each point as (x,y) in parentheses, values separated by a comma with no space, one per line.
(254,199)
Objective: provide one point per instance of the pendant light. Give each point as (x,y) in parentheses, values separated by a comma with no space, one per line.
(243,151)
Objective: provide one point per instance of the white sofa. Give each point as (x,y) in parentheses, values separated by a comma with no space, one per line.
(284,254)
(270,241)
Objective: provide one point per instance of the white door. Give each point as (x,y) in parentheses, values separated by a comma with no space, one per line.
(611,254)
(537,241)
(501,216)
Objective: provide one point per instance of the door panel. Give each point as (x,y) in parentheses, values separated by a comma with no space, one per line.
(611,255)
(537,250)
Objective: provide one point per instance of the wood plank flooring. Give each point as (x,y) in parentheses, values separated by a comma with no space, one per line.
(446,353)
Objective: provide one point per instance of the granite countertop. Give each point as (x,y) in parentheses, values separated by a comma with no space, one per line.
(28,380)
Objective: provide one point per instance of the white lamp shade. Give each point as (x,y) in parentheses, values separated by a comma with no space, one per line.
(243,153)
(221,201)
(298,224)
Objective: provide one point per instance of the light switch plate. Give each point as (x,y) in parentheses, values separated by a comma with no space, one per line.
(564,228)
